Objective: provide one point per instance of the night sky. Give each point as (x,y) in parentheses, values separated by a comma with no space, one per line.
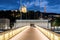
(51,5)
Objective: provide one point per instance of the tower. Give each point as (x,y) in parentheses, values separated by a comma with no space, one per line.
(41,15)
(44,8)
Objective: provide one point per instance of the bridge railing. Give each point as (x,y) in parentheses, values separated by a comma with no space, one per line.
(9,34)
(51,35)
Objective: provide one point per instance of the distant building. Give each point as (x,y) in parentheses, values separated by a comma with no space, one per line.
(4,23)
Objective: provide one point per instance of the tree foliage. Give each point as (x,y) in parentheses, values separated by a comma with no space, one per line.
(56,22)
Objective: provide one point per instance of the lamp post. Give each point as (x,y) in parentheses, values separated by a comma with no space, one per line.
(20,9)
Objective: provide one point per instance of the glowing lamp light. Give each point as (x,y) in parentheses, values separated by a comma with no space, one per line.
(23,9)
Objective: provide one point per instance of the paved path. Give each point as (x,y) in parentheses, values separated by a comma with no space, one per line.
(30,34)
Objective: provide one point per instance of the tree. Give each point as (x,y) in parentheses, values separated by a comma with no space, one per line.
(56,22)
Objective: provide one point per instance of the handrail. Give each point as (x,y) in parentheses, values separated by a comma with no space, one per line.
(9,34)
(51,35)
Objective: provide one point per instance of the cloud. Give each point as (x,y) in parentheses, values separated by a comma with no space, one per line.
(55,9)
(28,4)
(31,3)
(36,5)
(51,5)
(53,2)
(42,4)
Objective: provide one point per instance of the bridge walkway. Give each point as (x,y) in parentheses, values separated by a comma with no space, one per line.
(31,33)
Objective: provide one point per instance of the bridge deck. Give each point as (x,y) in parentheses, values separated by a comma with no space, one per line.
(30,33)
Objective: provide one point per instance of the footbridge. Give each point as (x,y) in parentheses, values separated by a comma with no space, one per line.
(26,32)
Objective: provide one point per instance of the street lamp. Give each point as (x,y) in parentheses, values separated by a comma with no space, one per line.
(20,9)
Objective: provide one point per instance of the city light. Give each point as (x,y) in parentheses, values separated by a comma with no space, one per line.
(23,9)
